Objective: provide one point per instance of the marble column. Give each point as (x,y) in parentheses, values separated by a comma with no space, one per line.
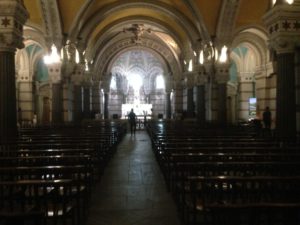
(285,104)
(106,99)
(168,105)
(222,76)
(96,106)
(281,21)
(13,17)
(87,102)
(56,103)
(54,71)
(77,79)
(190,103)
(200,103)
(298,89)
(200,80)
(77,107)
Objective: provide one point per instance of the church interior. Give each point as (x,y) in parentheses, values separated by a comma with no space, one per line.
(215,88)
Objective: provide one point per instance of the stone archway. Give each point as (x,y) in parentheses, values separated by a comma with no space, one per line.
(134,77)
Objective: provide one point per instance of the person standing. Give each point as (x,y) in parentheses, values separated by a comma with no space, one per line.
(132,121)
(267,116)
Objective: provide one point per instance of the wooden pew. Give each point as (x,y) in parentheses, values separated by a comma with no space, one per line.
(203,197)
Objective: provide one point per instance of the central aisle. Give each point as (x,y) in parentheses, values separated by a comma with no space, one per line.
(132,190)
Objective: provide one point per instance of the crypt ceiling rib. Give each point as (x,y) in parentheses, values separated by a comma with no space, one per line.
(175,25)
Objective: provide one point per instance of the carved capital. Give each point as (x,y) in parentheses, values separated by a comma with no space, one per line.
(13,16)
(200,79)
(190,80)
(283,24)
(77,75)
(54,71)
(222,73)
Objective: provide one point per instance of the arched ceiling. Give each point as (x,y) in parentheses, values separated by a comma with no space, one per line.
(178,24)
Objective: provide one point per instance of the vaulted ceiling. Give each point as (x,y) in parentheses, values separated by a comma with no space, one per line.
(173,25)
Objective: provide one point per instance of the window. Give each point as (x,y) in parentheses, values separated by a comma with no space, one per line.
(160,82)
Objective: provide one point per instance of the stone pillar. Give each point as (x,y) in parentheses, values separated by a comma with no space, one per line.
(25,99)
(168,89)
(178,97)
(106,88)
(87,102)
(106,99)
(222,76)
(190,103)
(96,106)
(54,71)
(246,91)
(190,95)
(281,22)
(168,105)
(298,89)
(200,98)
(13,16)
(77,78)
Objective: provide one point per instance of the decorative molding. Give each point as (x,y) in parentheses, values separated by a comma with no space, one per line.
(13,17)
(283,25)
(52,21)
(226,22)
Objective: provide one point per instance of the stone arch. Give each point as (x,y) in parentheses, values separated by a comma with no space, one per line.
(253,42)
(103,37)
(112,51)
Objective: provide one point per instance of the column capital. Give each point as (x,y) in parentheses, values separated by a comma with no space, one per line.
(54,71)
(283,24)
(13,16)
(200,79)
(189,80)
(77,75)
(222,73)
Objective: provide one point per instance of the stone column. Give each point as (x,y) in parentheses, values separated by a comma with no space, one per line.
(86,101)
(222,76)
(200,98)
(168,105)
(168,89)
(106,99)
(77,78)
(190,96)
(96,106)
(298,89)
(178,97)
(13,16)
(54,71)
(106,88)
(282,22)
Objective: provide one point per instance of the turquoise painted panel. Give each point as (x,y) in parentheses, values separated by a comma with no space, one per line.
(233,72)
(42,71)
(33,49)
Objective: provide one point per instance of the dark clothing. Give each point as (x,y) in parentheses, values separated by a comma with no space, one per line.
(267,119)
(132,122)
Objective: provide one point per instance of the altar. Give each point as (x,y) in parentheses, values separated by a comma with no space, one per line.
(139,109)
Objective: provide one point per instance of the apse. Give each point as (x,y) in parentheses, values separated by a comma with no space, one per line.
(137,82)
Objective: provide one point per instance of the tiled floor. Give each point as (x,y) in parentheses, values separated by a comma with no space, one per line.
(132,190)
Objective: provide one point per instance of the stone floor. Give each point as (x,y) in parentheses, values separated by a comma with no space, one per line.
(132,190)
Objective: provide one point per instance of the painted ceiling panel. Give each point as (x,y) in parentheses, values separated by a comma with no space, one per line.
(35,15)
(251,12)
(69,10)
(209,10)
(180,6)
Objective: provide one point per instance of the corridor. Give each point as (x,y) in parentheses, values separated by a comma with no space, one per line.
(132,190)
